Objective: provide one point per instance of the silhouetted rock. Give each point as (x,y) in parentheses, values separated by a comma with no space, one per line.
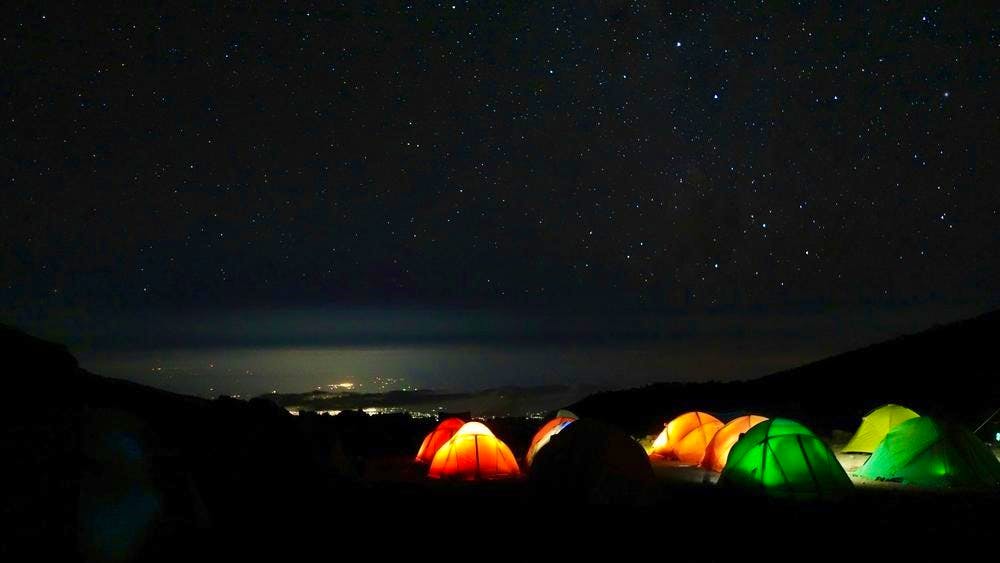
(19,348)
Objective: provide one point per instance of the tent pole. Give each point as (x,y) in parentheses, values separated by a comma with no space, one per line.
(989,418)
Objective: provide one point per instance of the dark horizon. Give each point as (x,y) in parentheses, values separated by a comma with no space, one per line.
(292,351)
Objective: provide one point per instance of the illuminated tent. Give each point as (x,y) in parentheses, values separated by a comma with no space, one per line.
(923,451)
(875,425)
(546,432)
(592,462)
(473,453)
(783,458)
(685,437)
(717,451)
(437,438)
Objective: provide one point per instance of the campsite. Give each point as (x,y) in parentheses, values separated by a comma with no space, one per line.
(596,280)
(179,473)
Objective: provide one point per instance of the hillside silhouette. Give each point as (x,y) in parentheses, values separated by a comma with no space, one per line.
(89,451)
(951,371)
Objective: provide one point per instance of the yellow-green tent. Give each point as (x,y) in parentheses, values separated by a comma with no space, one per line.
(930,453)
(875,425)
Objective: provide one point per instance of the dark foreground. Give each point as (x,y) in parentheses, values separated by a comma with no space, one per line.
(512,519)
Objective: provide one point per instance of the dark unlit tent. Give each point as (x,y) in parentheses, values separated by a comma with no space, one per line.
(592,462)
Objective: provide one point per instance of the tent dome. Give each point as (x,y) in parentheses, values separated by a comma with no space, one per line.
(473,453)
(437,438)
(592,462)
(544,434)
(717,451)
(783,458)
(923,451)
(685,437)
(474,428)
(875,425)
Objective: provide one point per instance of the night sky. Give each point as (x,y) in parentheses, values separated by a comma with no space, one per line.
(548,163)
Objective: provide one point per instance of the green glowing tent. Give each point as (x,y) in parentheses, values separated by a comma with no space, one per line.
(875,425)
(783,458)
(926,452)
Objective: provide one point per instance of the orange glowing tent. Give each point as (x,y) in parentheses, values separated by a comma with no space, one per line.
(717,451)
(437,438)
(685,438)
(546,432)
(473,453)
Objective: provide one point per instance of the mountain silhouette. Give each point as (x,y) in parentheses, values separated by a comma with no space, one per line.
(951,371)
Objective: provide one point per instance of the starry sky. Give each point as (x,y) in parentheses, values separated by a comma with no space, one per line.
(593,158)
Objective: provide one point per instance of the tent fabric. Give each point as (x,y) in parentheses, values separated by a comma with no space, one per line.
(437,438)
(875,425)
(473,428)
(782,458)
(544,434)
(594,463)
(926,452)
(685,438)
(717,451)
(473,454)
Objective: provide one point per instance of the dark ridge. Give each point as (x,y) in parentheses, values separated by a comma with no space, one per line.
(950,371)
(79,444)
